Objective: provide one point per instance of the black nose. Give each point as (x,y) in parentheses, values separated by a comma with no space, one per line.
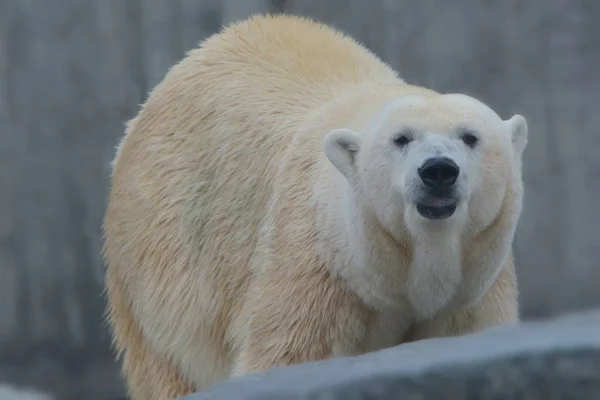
(439,173)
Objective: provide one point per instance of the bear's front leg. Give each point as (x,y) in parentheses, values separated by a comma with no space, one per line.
(298,317)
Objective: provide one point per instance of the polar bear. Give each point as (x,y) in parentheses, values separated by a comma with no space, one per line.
(283,196)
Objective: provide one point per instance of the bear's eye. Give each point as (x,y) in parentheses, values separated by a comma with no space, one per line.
(469,139)
(402,140)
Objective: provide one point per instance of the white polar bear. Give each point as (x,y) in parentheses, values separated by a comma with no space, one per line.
(284,197)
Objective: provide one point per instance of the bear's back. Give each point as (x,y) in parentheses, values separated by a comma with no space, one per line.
(202,153)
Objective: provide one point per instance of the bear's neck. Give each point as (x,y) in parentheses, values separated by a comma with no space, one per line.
(387,272)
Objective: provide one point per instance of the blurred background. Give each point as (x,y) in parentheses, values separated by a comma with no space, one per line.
(72,72)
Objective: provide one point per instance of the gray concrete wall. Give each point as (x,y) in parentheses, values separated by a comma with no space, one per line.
(502,363)
(72,72)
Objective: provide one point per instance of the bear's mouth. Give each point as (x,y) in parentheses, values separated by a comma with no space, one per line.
(437,208)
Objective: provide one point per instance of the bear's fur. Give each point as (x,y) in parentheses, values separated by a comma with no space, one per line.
(263,211)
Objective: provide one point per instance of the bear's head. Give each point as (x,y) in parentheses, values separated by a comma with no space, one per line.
(427,163)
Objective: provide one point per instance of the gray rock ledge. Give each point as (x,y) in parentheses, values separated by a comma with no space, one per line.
(552,359)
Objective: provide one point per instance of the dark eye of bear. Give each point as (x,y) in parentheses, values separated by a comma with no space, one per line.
(469,139)
(402,140)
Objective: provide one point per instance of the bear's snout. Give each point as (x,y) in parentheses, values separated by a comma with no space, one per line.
(439,173)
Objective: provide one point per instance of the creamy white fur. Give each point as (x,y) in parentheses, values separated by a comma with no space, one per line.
(436,274)
(261,214)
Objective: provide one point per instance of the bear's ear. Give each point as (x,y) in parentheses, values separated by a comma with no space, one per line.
(341,147)
(517,126)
